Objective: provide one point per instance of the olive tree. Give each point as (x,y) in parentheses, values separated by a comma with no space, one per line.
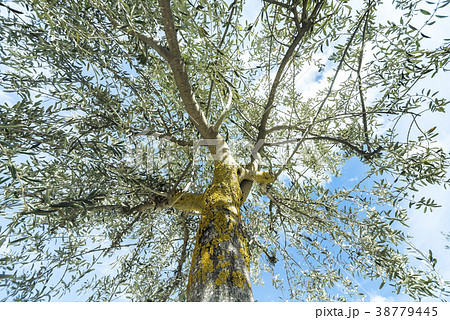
(167,151)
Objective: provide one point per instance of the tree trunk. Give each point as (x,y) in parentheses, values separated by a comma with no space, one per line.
(220,261)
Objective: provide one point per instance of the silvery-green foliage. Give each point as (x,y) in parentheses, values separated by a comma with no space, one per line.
(93,124)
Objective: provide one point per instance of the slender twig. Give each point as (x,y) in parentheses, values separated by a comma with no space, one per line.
(183,257)
(185,172)
(361,94)
(168,137)
(222,40)
(280,204)
(361,152)
(162,51)
(278,3)
(307,25)
(118,238)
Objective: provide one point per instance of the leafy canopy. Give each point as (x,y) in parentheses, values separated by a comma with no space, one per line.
(94,134)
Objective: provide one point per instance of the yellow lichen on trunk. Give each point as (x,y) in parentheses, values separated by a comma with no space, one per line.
(220,261)
(187,201)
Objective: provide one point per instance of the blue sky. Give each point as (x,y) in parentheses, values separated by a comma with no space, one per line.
(425,228)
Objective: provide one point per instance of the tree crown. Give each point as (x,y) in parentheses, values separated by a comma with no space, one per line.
(115,107)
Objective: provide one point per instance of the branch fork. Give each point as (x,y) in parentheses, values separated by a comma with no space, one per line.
(225,111)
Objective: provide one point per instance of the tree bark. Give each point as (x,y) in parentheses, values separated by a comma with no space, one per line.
(220,261)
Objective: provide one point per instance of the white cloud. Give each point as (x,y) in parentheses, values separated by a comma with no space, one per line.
(307,83)
(377,298)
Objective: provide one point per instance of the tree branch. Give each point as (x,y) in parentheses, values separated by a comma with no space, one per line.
(335,117)
(180,201)
(225,110)
(306,25)
(118,238)
(186,201)
(185,172)
(180,74)
(269,105)
(322,103)
(222,40)
(281,204)
(183,257)
(361,152)
(263,177)
(361,95)
(167,137)
(278,3)
(162,51)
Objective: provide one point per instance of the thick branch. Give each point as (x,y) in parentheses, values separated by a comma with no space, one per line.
(251,174)
(186,201)
(162,51)
(263,177)
(181,201)
(180,74)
